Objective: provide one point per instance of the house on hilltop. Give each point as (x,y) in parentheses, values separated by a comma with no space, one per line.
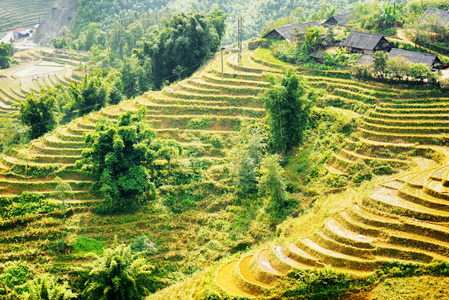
(416,57)
(287,32)
(366,43)
(340,20)
(435,16)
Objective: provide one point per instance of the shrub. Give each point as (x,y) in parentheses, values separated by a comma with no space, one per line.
(119,274)
(122,157)
(15,275)
(46,287)
(37,112)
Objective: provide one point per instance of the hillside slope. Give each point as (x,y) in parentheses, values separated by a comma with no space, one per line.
(24,14)
(405,220)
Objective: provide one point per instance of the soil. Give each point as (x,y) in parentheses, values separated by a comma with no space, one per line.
(60,15)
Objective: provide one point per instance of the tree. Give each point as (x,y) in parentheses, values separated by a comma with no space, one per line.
(119,274)
(46,287)
(5,55)
(135,79)
(37,111)
(11,133)
(246,158)
(380,62)
(309,39)
(90,94)
(271,184)
(419,71)
(288,102)
(184,43)
(120,157)
(398,66)
(388,14)
(117,39)
(92,34)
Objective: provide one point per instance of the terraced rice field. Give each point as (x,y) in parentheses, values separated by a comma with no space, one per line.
(44,68)
(406,219)
(394,128)
(24,14)
(191,111)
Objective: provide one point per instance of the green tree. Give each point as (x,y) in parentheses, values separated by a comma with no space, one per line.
(11,133)
(117,39)
(90,94)
(47,287)
(380,62)
(398,67)
(271,184)
(135,77)
(37,111)
(288,102)
(114,85)
(418,71)
(120,157)
(91,37)
(184,43)
(5,55)
(308,40)
(245,159)
(121,275)
(389,14)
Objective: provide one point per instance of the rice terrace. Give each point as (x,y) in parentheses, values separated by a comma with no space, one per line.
(188,150)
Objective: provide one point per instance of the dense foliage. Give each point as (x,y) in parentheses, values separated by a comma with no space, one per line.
(246,158)
(90,11)
(151,12)
(47,287)
(288,103)
(11,134)
(395,68)
(120,158)
(38,112)
(119,274)
(5,53)
(184,44)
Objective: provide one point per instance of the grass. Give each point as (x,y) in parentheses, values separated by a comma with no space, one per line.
(84,245)
(412,288)
(206,222)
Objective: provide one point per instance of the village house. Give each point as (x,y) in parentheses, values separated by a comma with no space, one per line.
(437,17)
(337,20)
(416,57)
(365,43)
(288,32)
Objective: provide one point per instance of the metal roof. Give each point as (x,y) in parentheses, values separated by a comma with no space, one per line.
(442,15)
(362,40)
(288,30)
(414,57)
(341,19)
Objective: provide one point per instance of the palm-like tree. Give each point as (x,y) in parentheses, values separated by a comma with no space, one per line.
(47,287)
(311,35)
(388,14)
(119,275)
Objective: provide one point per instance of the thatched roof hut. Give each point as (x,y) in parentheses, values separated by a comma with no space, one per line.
(436,16)
(340,20)
(287,32)
(416,57)
(366,43)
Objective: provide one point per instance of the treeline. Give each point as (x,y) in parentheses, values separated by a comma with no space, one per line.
(107,12)
(261,12)
(158,55)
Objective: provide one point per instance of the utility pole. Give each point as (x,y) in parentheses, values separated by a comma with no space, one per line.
(239,39)
(222,48)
